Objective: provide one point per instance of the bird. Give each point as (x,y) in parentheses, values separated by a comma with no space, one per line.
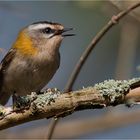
(32,60)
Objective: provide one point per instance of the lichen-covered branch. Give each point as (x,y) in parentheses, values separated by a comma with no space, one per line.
(113,21)
(53,103)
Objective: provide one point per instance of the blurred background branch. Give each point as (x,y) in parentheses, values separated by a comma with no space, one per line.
(114,20)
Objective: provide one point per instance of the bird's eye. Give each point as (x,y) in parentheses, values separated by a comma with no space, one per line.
(47,30)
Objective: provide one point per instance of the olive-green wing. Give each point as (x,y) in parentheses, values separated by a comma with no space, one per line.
(5,64)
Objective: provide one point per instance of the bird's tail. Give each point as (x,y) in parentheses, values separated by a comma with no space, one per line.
(4,97)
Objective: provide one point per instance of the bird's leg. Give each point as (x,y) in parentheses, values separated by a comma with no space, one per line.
(39,92)
(20,102)
(14,100)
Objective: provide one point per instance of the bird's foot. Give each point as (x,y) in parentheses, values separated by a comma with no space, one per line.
(22,102)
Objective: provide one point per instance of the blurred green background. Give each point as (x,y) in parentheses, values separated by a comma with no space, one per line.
(115,56)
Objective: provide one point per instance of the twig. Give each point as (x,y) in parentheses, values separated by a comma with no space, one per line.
(94,125)
(55,104)
(80,126)
(114,20)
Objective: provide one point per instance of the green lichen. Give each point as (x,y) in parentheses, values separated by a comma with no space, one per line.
(35,100)
(22,102)
(114,90)
(46,98)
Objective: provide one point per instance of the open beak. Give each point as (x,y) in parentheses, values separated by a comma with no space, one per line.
(64,34)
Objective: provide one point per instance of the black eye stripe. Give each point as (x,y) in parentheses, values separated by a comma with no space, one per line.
(48,30)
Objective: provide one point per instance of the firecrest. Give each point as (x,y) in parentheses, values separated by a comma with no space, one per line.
(33,59)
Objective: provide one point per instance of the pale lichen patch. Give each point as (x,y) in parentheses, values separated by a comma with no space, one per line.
(46,98)
(114,90)
(35,101)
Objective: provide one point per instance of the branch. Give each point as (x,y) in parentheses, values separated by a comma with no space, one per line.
(52,103)
(114,20)
(79,127)
(91,125)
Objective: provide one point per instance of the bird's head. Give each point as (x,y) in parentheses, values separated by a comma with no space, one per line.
(41,35)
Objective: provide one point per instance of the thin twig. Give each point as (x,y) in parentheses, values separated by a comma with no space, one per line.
(94,125)
(52,128)
(114,20)
(81,126)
